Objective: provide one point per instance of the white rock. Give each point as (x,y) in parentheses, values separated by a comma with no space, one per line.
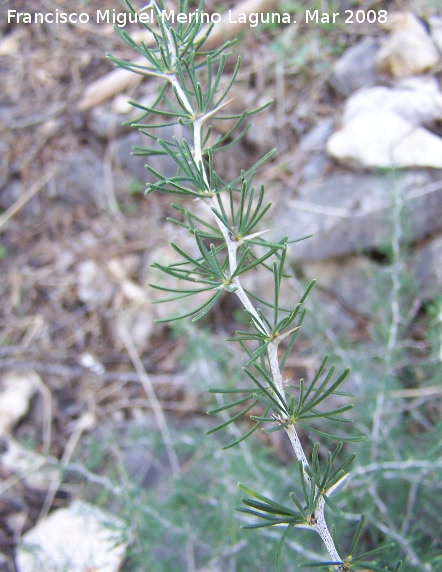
(409,50)
(136,295)
(121,104)
(35,470)
(122,268)
(418,102)
(94,286)
(421,83)
(78,539)
(420,148)
(141,328)
(90,362)
(139,322)
(17,391)
(10,44)
(137,315)
(385,140)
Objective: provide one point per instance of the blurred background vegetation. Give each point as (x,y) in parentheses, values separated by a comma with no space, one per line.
(77,238)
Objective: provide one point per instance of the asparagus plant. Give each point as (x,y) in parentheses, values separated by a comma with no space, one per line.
(229,243)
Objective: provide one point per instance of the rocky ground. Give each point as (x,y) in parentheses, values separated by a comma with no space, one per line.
(357,119)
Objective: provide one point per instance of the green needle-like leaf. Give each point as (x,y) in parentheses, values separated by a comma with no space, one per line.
(280,547)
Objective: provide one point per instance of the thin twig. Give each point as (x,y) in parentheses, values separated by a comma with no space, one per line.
(23,199)
(152,396)
(47,415)
(83,424)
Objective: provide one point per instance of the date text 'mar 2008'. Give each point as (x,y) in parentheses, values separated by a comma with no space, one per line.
(348,17)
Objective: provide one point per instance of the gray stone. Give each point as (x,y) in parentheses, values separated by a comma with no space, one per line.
(316,138)
(329,313)
(81,180)
(135,164)
(316,166)
(10,192)
(353,212)
(427,269)
(105,124)
(310,152)
(356,68)
(350,280)
(4,160)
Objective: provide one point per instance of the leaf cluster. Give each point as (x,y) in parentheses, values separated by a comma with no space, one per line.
(209,269)
(364,562)
(300,409)
(171,45)
(193,76)
(316,483)
(302,515)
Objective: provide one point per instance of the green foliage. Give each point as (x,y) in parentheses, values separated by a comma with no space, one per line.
(315,485)
(288,409)
(228,244)
(397,373)
(193,512)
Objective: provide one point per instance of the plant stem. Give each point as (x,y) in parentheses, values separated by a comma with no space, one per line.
(319,523)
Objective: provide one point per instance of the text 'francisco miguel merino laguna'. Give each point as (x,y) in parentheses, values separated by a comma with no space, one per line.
(121,19)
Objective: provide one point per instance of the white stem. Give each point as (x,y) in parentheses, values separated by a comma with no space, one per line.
(324,532)
(318,523)
(297,446)
(180,92)
(395,277)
